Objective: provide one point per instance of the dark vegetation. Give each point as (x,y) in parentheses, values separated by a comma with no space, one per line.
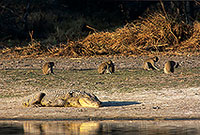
(34,28)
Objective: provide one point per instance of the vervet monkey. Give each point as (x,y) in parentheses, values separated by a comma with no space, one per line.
(169,67)
(48,68)
(106,67)
(149,64)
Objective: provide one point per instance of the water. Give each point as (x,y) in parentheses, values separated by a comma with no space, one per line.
(181,127)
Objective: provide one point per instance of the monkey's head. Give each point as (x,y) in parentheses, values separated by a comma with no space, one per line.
(177,65)
(155,58)
(109,62)
(174,64)
(51,64)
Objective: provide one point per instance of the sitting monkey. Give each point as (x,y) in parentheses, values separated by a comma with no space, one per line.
(169,67)
(106,67)
(149,64)
(48,68)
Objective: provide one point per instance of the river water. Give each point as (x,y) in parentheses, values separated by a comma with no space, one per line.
(109,127)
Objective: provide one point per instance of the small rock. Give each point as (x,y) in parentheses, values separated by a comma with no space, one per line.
(156,107)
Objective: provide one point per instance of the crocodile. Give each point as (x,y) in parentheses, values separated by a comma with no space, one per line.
(62,98)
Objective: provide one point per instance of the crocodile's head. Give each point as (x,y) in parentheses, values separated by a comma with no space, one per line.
(89,100)
(82,99)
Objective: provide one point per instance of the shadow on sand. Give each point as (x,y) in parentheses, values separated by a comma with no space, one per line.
(119,103)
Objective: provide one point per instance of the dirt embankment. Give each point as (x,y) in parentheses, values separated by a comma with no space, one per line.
(167,103)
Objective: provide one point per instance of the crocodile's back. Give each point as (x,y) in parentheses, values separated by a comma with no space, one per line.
(54,98)
(46,98)
(62,98)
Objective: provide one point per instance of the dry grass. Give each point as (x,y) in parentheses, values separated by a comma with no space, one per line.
(155,33)
(193,43)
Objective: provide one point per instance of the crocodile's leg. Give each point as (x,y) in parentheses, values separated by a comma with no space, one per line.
(38,99)
(35,101)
